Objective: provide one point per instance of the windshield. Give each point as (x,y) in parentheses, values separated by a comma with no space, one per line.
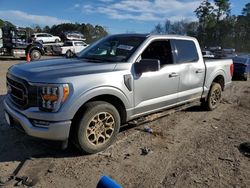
(113,49)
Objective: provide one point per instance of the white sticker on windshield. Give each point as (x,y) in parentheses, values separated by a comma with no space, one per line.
(125,47)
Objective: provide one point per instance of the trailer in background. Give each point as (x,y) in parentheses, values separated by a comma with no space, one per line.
(16,43)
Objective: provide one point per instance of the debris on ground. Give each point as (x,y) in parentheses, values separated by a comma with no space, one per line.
(148,130)
(226,159)
(225,101)
(4,180)
(214,127)
(106,154)
(245,149)
(146,151)
(127,155)
(217,119)
(106,182)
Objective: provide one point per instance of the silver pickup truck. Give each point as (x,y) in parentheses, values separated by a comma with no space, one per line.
(117,79)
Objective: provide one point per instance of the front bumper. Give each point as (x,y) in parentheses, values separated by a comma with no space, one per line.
(53,131)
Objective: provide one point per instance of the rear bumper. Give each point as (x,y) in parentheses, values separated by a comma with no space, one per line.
(52,131)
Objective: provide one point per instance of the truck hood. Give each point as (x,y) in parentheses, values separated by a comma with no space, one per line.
(55,69)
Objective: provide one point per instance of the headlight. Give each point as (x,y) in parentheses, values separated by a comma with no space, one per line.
(52,96)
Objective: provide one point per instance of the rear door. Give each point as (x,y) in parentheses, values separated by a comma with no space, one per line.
(79,46)
(49,38)
(192,69)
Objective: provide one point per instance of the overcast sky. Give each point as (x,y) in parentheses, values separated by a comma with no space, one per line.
(117,16)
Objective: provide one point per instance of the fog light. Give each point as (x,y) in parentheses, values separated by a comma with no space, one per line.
(39,123)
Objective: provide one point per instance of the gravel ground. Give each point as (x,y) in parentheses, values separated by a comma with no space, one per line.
(191,148)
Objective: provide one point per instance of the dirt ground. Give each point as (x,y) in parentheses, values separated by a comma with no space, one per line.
(191,148)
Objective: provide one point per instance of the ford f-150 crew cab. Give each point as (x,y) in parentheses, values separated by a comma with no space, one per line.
(117,79)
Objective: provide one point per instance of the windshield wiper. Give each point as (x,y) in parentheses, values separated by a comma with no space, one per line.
(95,59)
(92,59)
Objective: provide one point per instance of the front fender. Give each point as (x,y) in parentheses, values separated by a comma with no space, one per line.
(95,92)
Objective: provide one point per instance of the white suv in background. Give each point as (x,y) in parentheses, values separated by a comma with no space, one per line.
(45,37)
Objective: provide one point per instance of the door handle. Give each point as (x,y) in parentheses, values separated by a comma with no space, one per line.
(199,71)
(173,74)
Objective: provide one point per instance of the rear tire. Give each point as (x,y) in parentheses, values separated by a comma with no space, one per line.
(69,54)
(245,77)
(214,97)
(97,127)
(35,55)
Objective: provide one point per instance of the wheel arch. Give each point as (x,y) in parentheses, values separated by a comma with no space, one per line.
(220,80)
(111,99)
(111,95)
(218,77)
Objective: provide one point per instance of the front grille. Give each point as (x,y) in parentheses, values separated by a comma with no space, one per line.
(18,92)
(21,93)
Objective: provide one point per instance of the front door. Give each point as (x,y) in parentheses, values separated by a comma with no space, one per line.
(157,90)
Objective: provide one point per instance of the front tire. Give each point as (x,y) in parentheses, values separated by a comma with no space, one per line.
(57,41)
(214,97)
(97,128)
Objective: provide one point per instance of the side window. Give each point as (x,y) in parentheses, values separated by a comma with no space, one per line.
(41,35)
(185,51)
(79,44)
(160,50)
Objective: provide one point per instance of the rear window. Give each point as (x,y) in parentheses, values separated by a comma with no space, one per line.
(185,51)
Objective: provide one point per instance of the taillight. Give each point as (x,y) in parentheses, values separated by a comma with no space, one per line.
(231,69)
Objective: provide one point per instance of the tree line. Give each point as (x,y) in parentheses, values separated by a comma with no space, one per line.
(90,32)
(216,26)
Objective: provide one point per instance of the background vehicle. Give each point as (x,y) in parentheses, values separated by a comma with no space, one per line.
(70,48)
(241,67)
(45,38)
(14,42)
(207,54)
(73,35)
(116,80)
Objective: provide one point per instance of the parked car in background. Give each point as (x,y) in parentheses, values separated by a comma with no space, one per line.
(73,35)
(207,54)
(241,67)
(70,48)
(45,38)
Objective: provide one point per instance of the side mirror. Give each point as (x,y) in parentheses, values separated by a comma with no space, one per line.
(147,65)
